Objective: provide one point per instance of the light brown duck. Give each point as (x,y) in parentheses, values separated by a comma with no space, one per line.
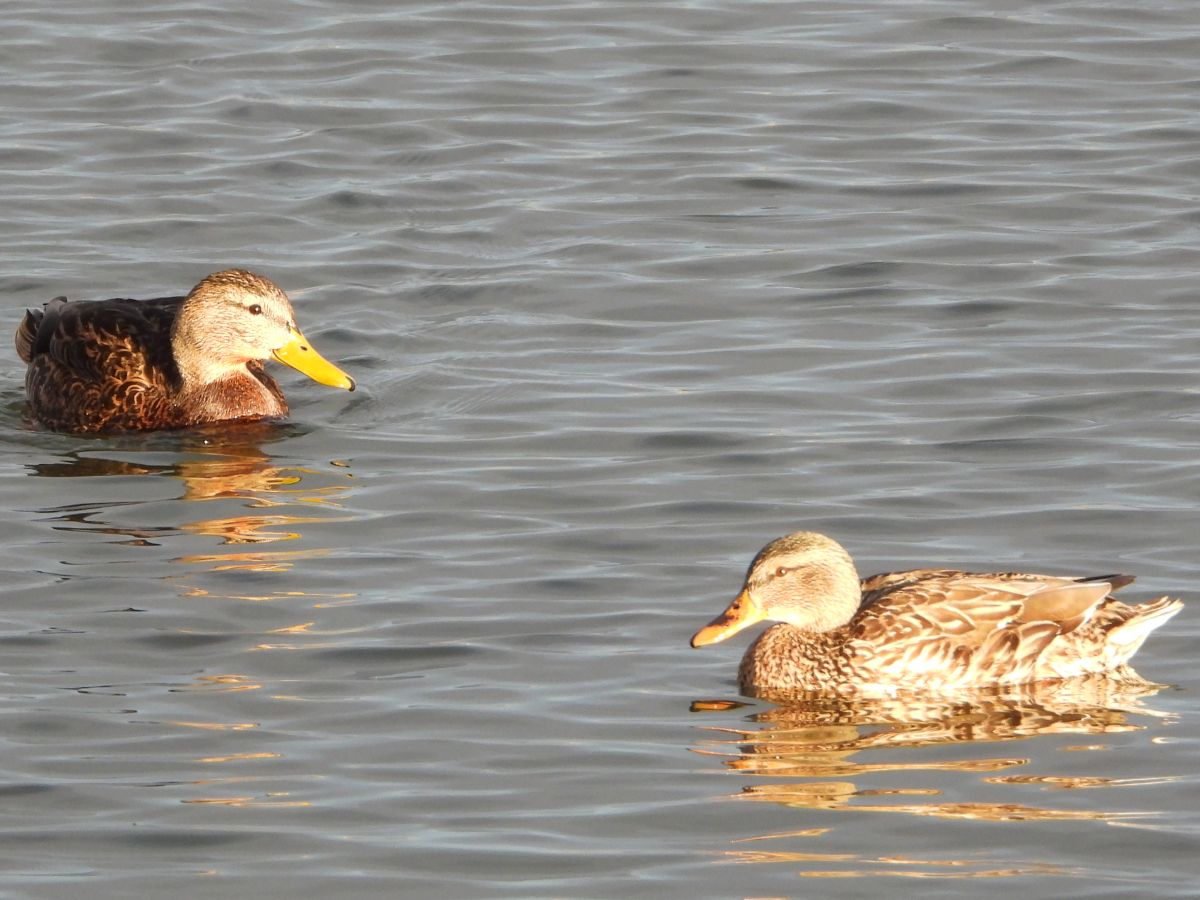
(924,630)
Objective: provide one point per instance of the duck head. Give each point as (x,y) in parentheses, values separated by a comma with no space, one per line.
(804,579)
(234,316)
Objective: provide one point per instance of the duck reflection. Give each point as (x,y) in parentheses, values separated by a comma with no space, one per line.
(218,464)
(815,737)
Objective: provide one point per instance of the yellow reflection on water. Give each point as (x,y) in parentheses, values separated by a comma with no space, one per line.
(1036,869)
(236,757)
(837,795)
(214,684)
(200,592)
(761,857)
(216,726)
(226,464)
(815,737)
(262,561)
(250,529)
(246,801)
(251,476)
(806,832)
(1072,782)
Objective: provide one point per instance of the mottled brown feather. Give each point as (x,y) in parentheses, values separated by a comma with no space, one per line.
(925,629)
(108,366)
(940,629)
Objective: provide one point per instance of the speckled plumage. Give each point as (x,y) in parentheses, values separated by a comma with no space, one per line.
(118,365)
(928,629)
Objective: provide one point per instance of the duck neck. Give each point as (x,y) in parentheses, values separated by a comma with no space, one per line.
(837,592)
(200,350)
(214,383)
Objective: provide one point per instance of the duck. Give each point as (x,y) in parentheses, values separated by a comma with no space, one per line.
(921,631)
(137,365)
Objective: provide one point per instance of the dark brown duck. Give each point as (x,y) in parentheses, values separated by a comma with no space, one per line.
(135,365)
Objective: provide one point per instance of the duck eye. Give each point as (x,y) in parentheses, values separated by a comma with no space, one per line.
(255,309)
(780,572)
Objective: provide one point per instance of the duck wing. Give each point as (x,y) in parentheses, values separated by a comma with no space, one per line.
(959,628)
(105,365)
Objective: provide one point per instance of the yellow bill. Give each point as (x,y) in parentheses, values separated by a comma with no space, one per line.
(300,355)
(742,612)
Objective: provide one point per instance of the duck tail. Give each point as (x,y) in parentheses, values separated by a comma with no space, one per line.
(33,334)
(27,334)
(1124,640)
(1115,582)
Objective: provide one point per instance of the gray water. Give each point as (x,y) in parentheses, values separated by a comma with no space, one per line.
(629,290)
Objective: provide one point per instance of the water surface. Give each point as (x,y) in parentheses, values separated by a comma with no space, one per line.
(628,290)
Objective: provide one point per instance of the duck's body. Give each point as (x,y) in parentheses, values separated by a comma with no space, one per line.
(924,630)
(131,365)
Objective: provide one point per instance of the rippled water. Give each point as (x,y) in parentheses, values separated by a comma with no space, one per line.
(629,290)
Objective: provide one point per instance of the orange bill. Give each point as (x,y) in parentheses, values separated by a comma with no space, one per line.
(742,612)
(299,354)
